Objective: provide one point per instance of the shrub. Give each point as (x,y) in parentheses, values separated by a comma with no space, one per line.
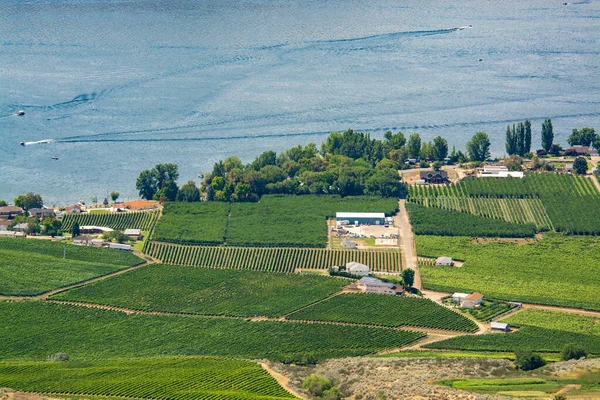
(332,394)
(572,352)
(317,385)
(526,360)
(59,357)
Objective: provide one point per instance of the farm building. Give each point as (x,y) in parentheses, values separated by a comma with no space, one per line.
(94,229)
(75,209)
(83,240)
(580,151)
(348,243)
(459,297)
(140,205)
(473,300)
(446,261)
(133,233)
(568,168)
(4,225)
(499,171)
(20,227)
(361,218)
(119,246)
(374,285)
(42,212)
(500,326)
(434,176)
(11,234)
(9,212)
(358,269)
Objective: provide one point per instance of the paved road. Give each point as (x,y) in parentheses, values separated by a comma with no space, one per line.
(407,242)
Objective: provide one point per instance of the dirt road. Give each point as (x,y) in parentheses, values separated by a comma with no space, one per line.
(407,242)
(282,380)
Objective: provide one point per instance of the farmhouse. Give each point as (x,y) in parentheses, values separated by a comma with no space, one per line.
(473,300)
(434,176)
(361,218)
(42,212)
(446,261)
(358,269)
(459,297)
(348,243)
(83,240)
(4,225)
(9,212)
(94,229)
(500,326)
(75,209)
(499,171)
(133,233)
(580,151)
(374,285)
(140,205)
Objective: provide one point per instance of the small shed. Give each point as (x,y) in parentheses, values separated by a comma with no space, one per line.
(473,300)
(11,234)
(20,227)
(97,242)
(94,229)
(446,261)
(82,240)
(42,212)
(500,326)
(358,269)
(133,233)
(361,218)
(459,297)
(348,243)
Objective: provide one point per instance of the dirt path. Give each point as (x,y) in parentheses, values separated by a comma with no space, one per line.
(595,180)
(407,242)
(282,380)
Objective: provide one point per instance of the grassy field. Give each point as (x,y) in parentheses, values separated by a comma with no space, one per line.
(272,259)
(436,221)
(162,287)
(540,330)
(556,270)
(120,221)
(32,267)
(37,330)
(276,221)
(193,378)
(385,311)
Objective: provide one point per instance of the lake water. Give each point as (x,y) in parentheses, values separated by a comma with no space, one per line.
(123,85)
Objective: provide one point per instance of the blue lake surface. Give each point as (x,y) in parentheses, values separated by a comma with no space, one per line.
(122,85)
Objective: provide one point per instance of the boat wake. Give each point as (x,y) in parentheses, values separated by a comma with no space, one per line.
(37,142)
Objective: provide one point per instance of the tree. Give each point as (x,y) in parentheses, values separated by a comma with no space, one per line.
(584,137)
(210,193)
(547,134)
(514,163)
(511,141)
(384,183)
(189,192)
(479,147)
(437,165)
(105,202)
(414,145)
(527,148)
(439,149)
(572,351)
(231,163)
(94,199)
(116,236)
(51,226)
(3,203)
(146,184)
(394,141)
(526,360)
(29,201)
(114,196)
(267,158)
(75,230)
(159,182)
(316,385)
(580,165)
(408,277)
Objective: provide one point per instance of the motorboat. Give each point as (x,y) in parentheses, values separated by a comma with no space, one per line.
(54,158)
(22,143)
(20,113)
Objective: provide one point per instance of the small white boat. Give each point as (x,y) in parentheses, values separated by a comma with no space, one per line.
(54,158)
(201,175)
(22,143)
(20,113)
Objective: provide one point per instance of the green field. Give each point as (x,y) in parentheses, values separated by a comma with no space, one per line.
(276,221)
(540,330)
(436,221)
(161,287)
(567,203)
(374,309)
(271,259)
(556,270)
(120,221)
(32,267)
(39,329)
(193,378)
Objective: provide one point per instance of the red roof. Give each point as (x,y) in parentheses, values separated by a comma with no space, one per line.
(474,297)
(140,204)
(6,223)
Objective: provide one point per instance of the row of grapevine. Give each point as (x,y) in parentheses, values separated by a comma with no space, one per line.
(272,259)
(520,211)
(143,220)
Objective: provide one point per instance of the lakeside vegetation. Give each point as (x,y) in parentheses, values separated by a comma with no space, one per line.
(555,270)
(177,378)
(169,288)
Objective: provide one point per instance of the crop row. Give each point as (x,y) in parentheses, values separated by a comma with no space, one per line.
(520,211)
(154,378)
(131,220)
(272,259)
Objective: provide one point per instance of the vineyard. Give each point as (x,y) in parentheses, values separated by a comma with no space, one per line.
(119,221)
(556,270)
(436,221)
(272,259)
(276,221)
(37,329)
(566,203)
(374,309)
(562,321)
(196,378)
(161,287)
(32,267)
(488,310)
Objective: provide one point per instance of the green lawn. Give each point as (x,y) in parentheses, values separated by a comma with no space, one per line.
(556,270)
(162,287)
(177,378)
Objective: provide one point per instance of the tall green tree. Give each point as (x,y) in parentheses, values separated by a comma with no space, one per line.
(414,145)
(75,230)
(527,148)
(439,149)
(189,192)
(408,277)
(146,185)
(547,134)
(159,182)
(584,137)
(511,141)
(29,201)
(114,196)
(580,165)
(478,147)
(3,203)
